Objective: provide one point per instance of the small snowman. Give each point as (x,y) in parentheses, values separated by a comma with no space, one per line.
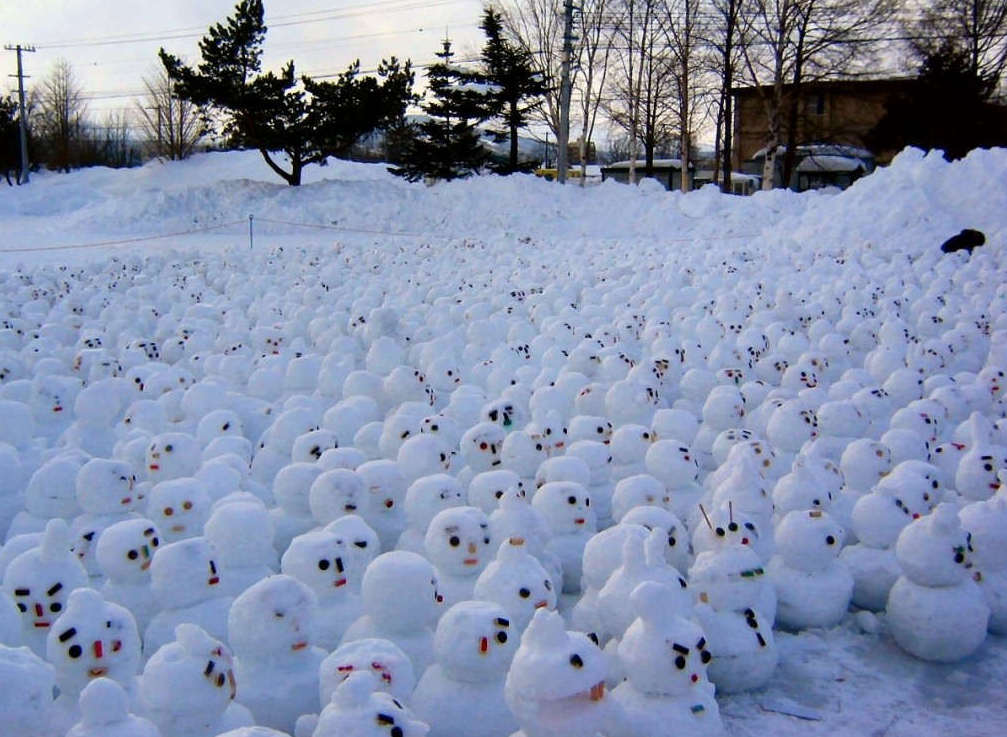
(106,494)
(241,532)
(104,708)
(386,491)
(337,492)
(730,584)
(630,444)
(359,709)
(486,489)
(637,491)
(51,492)
(292,514)
(516,517)
(124,552)
(986,522)
(516,581)
(276,667)
(425,498)
(187,688)
(40,581)
(186,583)
(26,700)
(976,475)
(598,458)
(383,658)
(556,683)
(323,561)
(459,545)
(665,658)
(566,508)
(602,556)
(813,587)
(92,639)
(172,455)
(401,604)
(180,507)
(935,610)
(675,465)
(463,691)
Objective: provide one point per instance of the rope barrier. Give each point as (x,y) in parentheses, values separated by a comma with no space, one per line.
(321,226)
(122,241)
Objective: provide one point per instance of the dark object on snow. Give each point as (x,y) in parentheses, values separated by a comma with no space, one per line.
(964,241)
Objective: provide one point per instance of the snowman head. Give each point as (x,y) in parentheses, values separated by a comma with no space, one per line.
(27,696)
(40,579)
(125,550)
(517,582)
(427,496)
(386,487)
(639,490)
(309,447)
(321,560)
(672,463)
(487,488)
(337,492)
(935,550)
(864,463)
(362,544)
(562,468)
(423,455)
(196,665)
(172,455)
(180,507)
(400,593)
(359,709)
(630,444)
(185,573)
(808,540)
(106,487)
(218,423)
(458,541)
(292,485)
(481,446)
(729,579)
(475,641)
(273,618)
(51,491)
(566,508)
(383,658)
(242,532)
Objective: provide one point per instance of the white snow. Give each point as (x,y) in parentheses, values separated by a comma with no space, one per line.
(518,270)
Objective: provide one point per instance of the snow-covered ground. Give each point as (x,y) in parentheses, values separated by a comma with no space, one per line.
(471,266)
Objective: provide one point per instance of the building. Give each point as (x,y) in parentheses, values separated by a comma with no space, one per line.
(840,113)
(666,171)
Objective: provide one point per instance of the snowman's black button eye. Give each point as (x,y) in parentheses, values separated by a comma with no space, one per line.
(705,656)
(959,558)
(576,661)
(524,593)
(498,494)
(75,651)
(323,565)
(501,637)
(680,662)
(571,500)
(830,540)
(455,541)
(720,532)
(671,541)
(132,555)
(55,607)
(733,527)
(548,585)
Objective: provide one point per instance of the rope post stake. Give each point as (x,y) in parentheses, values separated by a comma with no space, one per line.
(251,232)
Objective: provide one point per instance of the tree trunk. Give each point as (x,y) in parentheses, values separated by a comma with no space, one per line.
(513,136)
(727,112)
(790,157)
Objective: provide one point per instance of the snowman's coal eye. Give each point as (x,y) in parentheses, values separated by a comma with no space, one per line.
(733,526)
(168,511)
(483,445)
(187,505)
(524,593)
(830,540)
(571,500)
(168,448)
(720,532)
(680,662)
(323,565)
(75,651)
(501,637)
(548,585)
(454,541)
(576,661)
(132,555)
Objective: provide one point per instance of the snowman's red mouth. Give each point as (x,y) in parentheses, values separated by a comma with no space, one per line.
(57,409)
(579,521)
(541,604)
(97,672)
(41,624)
(299,645)
(339,582)
(154,467)
(213,581)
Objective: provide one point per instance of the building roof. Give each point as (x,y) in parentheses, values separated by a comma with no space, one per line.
(817,164)
(891,83)
(642,164)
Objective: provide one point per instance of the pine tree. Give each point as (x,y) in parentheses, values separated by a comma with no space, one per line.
(446,145)
(520,88)
(305,119)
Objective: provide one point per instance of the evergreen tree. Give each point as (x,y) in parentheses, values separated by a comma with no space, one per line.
(520,89)
(305,119)
(948,107)
(10,141)
(446,145)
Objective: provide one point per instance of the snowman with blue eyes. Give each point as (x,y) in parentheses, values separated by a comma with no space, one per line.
(463,691)
(665,657)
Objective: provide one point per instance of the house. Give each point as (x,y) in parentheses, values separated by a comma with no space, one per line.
(667,171)
(837,113)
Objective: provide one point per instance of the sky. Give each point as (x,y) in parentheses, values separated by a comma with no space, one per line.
(112,44)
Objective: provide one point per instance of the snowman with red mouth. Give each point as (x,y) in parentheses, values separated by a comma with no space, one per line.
(40,580)
(92,639)
(566,508)
(665,658)
(459,544)
(106,491)
(556,683)
(271,630)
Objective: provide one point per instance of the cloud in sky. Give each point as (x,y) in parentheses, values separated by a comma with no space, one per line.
(112,44)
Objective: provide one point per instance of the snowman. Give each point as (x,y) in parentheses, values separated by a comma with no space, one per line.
(566,508)
(337,492)
(359,709)
(730,586)
(323,561)
(665,657)
(486,489)
(292,514)
(361,543)
(935,609)
(26,700)
(188,687)
(275,665)
(425,498)
(556,683)
(386,491)
(171,455)
(382,658)
(516,581)
(40,581)
(598,458)
(630,444)
(813,586)
(986,522)
(124,553)
(105,712)
(480,450)
(51,492)
(186,584)
(92,639)
(241,532)
(602,556)
(459,545)
(179,507)
(516,517)
(463,691)
(675,465)
(976,476)
(637,491)
(401,604)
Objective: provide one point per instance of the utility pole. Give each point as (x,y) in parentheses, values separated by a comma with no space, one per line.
(563,137)
(23,178)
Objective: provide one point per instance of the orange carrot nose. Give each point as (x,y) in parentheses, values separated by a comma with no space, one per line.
(484,645)
(472,547)
(97,649)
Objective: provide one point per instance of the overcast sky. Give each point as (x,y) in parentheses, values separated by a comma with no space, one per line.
(112,44)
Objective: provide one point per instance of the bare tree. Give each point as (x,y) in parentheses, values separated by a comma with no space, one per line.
(791,42)
(978,27)
(681,29)
(594,51)
(60,116)
(170,126)
(721,38)
(536,26)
